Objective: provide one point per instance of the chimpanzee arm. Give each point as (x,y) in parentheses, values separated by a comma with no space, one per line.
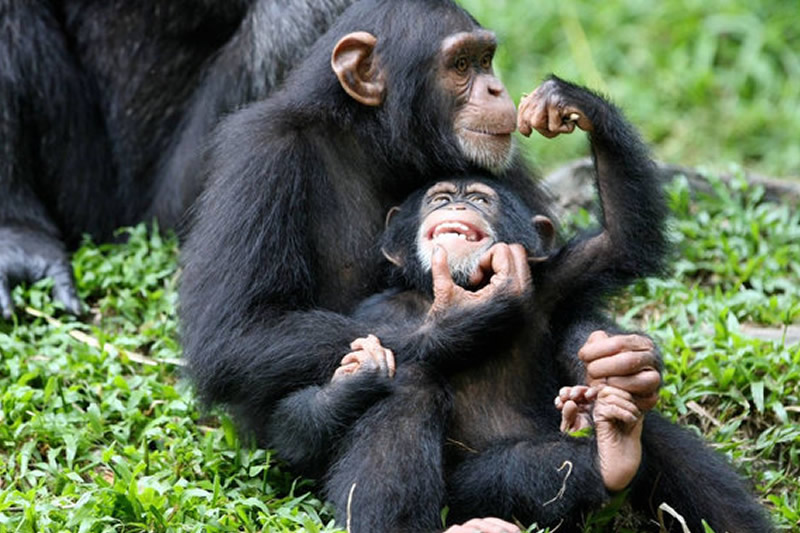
(306,427)
(249,335)
(631,242)
(307,424)
(591,349)
(454,339)
(457,326)
(52,150)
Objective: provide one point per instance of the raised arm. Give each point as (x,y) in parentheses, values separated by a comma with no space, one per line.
(630,242)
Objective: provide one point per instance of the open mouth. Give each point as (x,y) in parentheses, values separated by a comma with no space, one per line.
(457,230)
(489,133)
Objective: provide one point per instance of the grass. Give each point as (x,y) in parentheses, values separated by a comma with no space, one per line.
(707,81)
(97,439)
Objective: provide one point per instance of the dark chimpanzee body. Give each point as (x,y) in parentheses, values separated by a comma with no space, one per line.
(283,244)
(479,386)
(103,104)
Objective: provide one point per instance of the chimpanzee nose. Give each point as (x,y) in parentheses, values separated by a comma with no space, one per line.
(496,88)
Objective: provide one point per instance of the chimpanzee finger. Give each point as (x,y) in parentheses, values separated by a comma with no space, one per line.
(523,124)
(611,412)
(351,358)
(358,344)
(363,343)
(501,262)
(575,393)
(617,408)
(643,383)
(556,122)
(541,121)
(616,404)
(597,335)
(361,362)
(645,403)
(569,415)
(64,287)
(6,303)
(442,280)
(344,370)
(597,347)
(380,356)
(582,120)
(390,362)
(521,267)
(532,114)
(621,364)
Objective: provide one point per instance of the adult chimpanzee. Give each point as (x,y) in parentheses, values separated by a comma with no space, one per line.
(478,381)
(395,95)
(102,104)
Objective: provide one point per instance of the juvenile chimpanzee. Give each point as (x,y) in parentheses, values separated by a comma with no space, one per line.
(470,421)
(397,94)
(104,102)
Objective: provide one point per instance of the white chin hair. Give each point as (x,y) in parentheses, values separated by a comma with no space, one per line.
(485,154)
(461,267)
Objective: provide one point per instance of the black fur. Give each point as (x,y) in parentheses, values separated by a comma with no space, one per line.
(485,438)
(299,186)
(103,104)
(283,248)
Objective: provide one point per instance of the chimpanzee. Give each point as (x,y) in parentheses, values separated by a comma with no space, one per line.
(103,103)
(283,240)
(470,421)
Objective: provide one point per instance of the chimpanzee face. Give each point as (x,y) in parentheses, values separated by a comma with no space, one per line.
(460,217)
(485,116)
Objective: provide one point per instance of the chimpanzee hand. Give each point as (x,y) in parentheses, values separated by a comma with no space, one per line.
(550,111)
(617,428)
(484,525)
(575,404)
(506,265)
(367,356)
(627,362)
(29,255)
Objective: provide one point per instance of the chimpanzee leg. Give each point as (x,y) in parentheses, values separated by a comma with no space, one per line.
(680,470)
(389,476)
(550,482)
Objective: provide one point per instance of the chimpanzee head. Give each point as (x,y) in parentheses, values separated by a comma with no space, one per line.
(416,84)
(466,217)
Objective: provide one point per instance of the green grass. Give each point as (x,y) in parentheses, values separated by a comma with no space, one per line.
(706,81)
(100,440)
(103,439)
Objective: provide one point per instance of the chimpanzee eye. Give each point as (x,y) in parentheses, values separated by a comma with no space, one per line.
(462,64)
(440,198)
(479,199)
(486,61)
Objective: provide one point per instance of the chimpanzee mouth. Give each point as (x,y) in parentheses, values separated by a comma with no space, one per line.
(489,133)
(460,230)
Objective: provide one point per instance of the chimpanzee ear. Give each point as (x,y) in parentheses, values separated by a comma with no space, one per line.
(392,212)
(354,62)
(395,257)
(546,230)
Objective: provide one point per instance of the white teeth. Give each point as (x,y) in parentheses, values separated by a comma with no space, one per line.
(455,230)
(453,225)
(442,234)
